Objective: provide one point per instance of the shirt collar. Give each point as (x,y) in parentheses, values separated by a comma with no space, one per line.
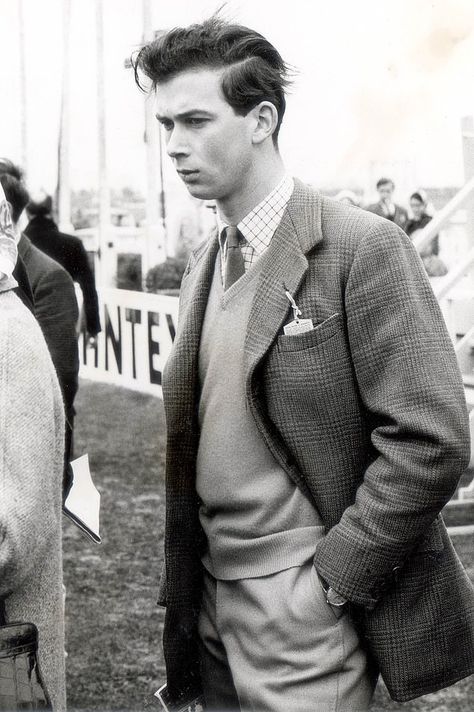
(259,225)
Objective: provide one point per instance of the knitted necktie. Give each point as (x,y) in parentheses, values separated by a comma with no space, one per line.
(234,261)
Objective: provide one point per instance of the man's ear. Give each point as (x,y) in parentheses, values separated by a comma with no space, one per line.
(266,121)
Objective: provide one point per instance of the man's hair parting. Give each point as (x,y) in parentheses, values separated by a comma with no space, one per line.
(254,71)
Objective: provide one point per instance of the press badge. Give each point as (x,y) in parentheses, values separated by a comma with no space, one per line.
(297,326)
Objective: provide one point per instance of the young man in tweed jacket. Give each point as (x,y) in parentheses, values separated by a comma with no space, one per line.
(307,458)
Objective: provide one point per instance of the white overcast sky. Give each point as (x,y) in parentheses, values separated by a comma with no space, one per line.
(382,86)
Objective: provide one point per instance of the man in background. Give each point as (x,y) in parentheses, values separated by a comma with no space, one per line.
(385,207)
(68,251)
(54,299)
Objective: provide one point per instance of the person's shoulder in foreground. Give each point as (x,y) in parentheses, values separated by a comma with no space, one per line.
(31,443)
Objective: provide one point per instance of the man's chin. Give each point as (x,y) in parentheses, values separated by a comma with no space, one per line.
(200,191)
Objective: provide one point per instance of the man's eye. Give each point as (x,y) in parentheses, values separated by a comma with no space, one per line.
(196,121)
(167,125)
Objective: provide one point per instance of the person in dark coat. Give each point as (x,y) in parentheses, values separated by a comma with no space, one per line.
(420,219)
(68,251)
(54,300)
(56,310)
(385,207)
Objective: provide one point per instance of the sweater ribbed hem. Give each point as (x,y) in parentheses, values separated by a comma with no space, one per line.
(262,556)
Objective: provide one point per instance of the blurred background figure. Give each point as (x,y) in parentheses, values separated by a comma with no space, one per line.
(348,197)
(53,296)
(68,251)
(385,207)
(421,217)
(31,469)
(434,265)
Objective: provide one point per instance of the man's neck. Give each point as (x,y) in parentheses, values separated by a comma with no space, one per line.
(260,183)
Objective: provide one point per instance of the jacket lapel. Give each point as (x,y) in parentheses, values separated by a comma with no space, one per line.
(298,232)
(182,365)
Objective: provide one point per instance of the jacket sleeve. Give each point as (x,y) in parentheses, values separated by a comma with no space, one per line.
(85,278)
(31,451)
(57,314)
(411,390)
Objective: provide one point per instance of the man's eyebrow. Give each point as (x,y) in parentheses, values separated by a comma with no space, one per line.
(186,114)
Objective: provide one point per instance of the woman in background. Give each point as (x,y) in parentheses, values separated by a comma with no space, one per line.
(31,470)
(434,265)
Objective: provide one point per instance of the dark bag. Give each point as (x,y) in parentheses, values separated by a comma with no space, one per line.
(21,685)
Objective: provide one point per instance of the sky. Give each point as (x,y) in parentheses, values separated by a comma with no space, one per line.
(380,88)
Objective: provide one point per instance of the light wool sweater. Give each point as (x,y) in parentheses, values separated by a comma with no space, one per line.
(31,469)
(255,518)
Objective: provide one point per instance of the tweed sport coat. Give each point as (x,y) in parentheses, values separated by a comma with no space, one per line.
(366,414)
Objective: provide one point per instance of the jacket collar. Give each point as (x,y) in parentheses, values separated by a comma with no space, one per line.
(298,233)
(302,216)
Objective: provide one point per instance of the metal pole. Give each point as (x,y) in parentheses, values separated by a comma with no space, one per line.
(153,152)
(107,266)
(64,188)
(23,92)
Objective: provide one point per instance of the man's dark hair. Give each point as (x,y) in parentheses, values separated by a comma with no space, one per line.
(254,71)
(41,207)
(11,178)
(385,181)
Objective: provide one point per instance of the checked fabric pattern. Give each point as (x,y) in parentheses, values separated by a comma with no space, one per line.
(257,228)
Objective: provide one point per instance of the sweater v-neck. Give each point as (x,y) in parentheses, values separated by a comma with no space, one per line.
(228,296)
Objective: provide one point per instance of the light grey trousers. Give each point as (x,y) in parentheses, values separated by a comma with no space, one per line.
(273,644)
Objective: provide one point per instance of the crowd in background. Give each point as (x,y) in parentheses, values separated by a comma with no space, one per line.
(421,214)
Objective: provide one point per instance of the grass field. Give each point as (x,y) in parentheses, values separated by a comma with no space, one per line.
(113,624)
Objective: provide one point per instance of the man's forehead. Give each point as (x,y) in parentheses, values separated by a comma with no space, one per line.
(189,90)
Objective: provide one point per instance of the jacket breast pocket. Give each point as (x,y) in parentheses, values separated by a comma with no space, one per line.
(308,339)
(311,376)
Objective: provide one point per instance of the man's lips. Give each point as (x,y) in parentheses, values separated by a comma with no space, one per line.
(186,172)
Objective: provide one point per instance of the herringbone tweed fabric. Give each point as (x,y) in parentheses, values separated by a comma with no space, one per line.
(365,412)
(31,472)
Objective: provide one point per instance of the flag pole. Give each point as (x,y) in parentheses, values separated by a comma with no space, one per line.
(23,92)
(107,264)
(64,188)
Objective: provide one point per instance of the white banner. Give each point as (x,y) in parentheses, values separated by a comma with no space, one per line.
(138,330)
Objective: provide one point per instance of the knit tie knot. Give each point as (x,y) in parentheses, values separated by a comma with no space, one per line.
(234,261)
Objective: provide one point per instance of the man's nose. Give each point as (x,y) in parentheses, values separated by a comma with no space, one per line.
(177,144)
